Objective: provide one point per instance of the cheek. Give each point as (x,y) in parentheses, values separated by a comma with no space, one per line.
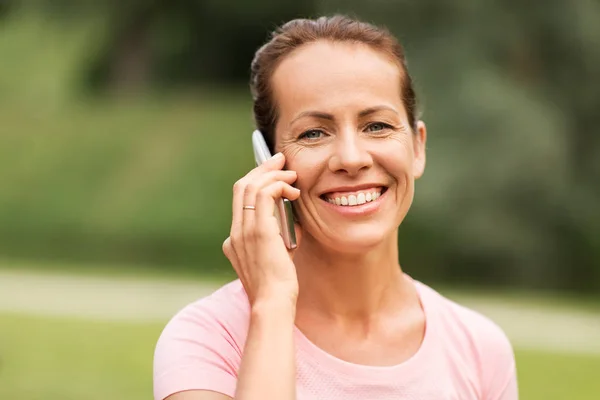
(306,169)
(397,160)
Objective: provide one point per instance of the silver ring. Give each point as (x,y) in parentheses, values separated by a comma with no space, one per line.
(249,208)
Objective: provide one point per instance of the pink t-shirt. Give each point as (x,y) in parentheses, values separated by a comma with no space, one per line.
(463,356)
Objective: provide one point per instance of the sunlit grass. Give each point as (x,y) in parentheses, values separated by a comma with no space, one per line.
(61,358)
(45,358)
(553,376)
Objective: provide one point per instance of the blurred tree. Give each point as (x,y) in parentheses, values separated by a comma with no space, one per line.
(510,95)
(178,42)
(5,6)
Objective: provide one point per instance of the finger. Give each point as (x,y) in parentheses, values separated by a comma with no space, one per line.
(265,202)
(245,217)
(253,188)
(229,251)
(236,234)
(275,163)
(260,181)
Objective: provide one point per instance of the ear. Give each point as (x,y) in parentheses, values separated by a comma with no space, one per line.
(419,142)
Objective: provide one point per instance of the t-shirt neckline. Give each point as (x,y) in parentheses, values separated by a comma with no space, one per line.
(310,352)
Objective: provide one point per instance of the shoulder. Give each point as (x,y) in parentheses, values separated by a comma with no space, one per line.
(224,312)
(201,346)
(474,338)
(461,320)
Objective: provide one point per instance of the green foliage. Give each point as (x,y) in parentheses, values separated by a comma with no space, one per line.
(42,59)
(508,90)
(123,181)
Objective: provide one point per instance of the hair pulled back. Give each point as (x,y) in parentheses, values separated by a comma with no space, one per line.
(299,32)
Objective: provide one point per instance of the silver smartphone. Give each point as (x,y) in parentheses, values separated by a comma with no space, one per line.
(283,207)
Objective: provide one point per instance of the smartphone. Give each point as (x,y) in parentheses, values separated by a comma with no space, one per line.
(283,207)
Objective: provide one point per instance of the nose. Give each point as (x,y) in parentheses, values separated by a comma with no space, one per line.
(350,154)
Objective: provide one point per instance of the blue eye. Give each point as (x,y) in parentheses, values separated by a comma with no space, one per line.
(378,126)
(312,134)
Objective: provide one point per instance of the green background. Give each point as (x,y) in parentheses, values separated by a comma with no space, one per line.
(123,126)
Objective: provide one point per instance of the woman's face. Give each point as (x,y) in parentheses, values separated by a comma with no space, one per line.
(343,128)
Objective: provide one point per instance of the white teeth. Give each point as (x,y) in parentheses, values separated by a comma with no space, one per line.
(360,199)
(353,200)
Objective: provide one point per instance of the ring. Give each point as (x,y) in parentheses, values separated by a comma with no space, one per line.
(249,208)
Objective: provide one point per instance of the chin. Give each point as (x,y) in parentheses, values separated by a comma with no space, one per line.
(360,239)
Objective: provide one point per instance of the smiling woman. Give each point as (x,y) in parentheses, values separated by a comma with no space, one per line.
(336,318)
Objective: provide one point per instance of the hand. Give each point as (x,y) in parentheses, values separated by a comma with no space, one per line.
(255,247)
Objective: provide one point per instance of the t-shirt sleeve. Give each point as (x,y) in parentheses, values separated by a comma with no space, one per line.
(195,352)
(498,367)
(511,391)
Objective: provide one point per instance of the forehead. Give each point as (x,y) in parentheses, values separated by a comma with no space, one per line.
(326,75)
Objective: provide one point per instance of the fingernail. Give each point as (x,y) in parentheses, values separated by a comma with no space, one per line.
(277,156)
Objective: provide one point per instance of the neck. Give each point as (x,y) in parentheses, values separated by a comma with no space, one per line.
(350,286)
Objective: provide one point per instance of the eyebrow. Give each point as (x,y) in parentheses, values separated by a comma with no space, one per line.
(314,114)
(330,117)
(372,110)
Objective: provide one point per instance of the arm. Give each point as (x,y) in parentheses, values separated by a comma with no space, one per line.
(197,357)
(267,370)
(197,353)
(265,268)
(268,365)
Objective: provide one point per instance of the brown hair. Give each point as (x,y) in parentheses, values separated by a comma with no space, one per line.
(298,32)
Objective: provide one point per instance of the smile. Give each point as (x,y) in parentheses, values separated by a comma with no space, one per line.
(355,198)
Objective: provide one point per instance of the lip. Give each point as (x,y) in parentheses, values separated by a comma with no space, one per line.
(355,188)
(358,210)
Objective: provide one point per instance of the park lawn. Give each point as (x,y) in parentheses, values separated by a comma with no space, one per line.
(558,376)
(62,358)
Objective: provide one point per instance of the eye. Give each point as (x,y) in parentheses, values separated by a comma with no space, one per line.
(311,134)
(378,126)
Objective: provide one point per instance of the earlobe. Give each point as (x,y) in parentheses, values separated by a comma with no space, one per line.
(420,140)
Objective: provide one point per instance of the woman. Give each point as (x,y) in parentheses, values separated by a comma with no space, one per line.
(336,318)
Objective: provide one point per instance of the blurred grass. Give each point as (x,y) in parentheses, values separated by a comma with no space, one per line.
(61,358)
(122,181)
(557,376)
(135,179)
(47,358)
(222,272)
